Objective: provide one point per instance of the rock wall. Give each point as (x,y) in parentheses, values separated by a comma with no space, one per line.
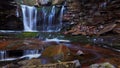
(88,17)
(92,17)
(8,19)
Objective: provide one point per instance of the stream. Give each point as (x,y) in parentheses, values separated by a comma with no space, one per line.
(16,48)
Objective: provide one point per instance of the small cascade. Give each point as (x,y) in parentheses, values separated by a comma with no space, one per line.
(61,16)
(44,18)
(51,20)
(49,23)
(17,12)
(29,52)
(48,19)
(3,55)
(29,17)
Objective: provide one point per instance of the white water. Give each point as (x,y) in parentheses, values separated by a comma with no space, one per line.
(28,52)
(56,40)
(3,55)
(61,16)
(44,18)
(44,1)
(29,17)
(51,19)
(31,54)
(49,23)
(17,13)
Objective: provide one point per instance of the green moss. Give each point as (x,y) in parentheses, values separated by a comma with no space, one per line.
(27,35)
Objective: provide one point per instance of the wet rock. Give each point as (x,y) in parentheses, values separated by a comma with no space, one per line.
(83,30)
(21,44)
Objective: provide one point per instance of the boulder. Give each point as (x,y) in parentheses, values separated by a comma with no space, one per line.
(57,52)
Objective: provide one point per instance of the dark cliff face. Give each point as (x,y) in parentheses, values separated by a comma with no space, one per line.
(7,4)
(8,19)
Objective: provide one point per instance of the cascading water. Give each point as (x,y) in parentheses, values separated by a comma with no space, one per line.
(49,23)
(61,16)
(17,12)
(3,55)
(29,17)
(48,19)
(28,52)
(44,18)
(51,19)
(31,54)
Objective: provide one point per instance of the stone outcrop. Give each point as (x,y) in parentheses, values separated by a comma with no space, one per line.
(93,16)
(57,52)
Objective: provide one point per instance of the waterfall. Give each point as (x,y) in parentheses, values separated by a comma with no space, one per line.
(29,17)
(49,23)
(48,19)
(2,55)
